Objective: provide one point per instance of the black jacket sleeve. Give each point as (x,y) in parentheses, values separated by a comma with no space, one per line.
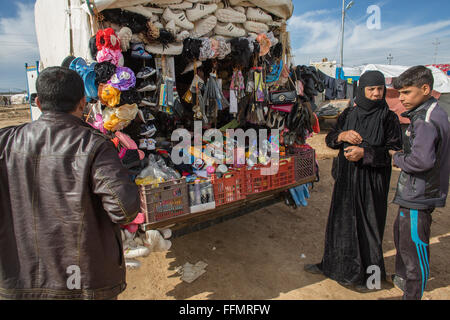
(111,182)
(379,156)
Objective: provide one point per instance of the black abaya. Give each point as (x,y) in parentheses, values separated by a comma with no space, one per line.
(357,217)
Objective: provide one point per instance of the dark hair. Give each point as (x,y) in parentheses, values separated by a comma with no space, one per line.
(414,77)
(59,89)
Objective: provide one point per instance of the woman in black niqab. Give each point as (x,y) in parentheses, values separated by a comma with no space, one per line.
(354,234)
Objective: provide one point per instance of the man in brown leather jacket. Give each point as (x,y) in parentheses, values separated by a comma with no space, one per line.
(63,195)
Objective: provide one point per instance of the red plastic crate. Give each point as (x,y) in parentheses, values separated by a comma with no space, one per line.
(229,188)
(255,182)
(285,175)
(165,201)
(305,163)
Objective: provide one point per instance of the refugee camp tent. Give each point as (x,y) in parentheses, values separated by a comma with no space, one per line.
(19,99)
(441,80)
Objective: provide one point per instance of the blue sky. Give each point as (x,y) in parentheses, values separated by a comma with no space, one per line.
(408,30)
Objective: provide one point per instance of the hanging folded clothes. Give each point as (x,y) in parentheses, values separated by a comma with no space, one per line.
(341,89)
(351,89)
(330,86)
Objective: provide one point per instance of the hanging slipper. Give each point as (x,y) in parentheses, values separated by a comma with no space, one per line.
(270,119)
(281,122)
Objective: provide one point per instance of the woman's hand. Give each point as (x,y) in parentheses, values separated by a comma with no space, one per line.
(353,154)
(350,136)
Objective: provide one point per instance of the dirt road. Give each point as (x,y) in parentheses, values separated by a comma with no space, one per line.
(261,255)
(14,115)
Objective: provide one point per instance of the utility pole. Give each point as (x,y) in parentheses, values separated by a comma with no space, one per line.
(344,10)
(436,46)
(390,58)
(342,33)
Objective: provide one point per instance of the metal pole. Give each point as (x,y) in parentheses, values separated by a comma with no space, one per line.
(342,34)
(436,45)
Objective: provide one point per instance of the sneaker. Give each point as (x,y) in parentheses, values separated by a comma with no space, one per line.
(164,2)
(148,131)
(230,15)
(172,49)
(139,9)
(179,17)
(145,73)
(181,6)
(132,263)
(313,268)
(143,144)
(151,144)
(147,86)
(256,27)
(138,52)
(200,11)
(204,26)
(256,14)
(148,102)
(171,27)
(139,251)
(182,36)
(229,30)
(239,9)
(276,24)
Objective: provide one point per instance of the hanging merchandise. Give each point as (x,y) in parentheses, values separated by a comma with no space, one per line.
(231,63)
(108,95)
(104,71)
(237,90)
(264,44)
(123,79)
(213,99)
(274,72)
(259,85)
(87,73)
(119,118)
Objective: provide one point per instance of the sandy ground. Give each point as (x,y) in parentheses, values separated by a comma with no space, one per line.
(261,255)
(14,115)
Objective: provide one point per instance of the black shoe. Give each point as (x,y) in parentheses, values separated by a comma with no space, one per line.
(345,283)
(363,289)
(313,268)
(147,86)
(145,73)
(398,282)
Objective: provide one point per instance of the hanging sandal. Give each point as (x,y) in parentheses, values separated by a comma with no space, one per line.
(270,119)
(281,122)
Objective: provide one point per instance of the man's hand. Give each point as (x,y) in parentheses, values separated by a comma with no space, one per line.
(392,153)
(353,154)
(350,136)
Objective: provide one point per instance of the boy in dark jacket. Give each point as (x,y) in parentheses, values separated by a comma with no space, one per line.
(424,180)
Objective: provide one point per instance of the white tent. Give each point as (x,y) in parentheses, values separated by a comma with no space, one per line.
(441,80)
(19,99)
(60,26)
